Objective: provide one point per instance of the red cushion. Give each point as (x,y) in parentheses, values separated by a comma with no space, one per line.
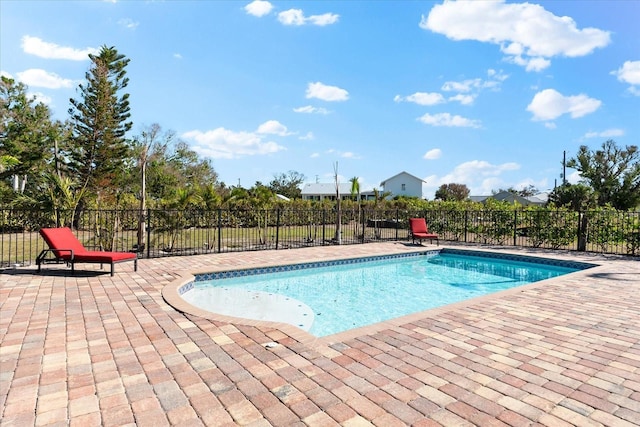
(418,225)
(425,235)
(61,238)
(105,257)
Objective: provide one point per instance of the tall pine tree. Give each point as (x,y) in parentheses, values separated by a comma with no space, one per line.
(100,124)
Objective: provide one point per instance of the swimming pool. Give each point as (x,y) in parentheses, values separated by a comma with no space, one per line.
(328,297)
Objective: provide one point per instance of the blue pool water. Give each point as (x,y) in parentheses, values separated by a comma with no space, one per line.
(347,296)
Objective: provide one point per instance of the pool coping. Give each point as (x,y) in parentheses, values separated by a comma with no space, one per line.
(172,293)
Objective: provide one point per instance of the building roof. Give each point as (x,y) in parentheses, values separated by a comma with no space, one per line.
(398,174)
(328,189)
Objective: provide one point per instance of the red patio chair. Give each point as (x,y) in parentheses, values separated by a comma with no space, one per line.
(65,247)
(420,231)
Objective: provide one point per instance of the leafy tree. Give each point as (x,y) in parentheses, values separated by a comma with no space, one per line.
(28,136)
(6,161)
(171,164)
(288,184)
(574,196)
(193,170)
(262,198)
(378,199)
(451,192)
(612,172)
(100,120)
(527,191)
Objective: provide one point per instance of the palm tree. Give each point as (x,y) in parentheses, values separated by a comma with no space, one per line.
(262,199)
(64,195)
(355,193)
(183,200)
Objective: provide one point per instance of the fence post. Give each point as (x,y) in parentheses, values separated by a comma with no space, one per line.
(466,224)
(219,230)
(148,231)
(515,227)
(397,223)
(277,227)
(582,231)
(324,212)
(362,216)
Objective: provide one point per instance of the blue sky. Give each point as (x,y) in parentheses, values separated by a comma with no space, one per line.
(483,93)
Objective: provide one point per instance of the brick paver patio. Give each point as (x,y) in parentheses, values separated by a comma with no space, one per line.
(92,349)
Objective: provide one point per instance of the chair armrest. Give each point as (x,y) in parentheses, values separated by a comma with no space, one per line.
(42,256)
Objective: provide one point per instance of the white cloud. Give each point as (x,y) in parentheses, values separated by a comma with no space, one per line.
(537,64)
(326,93)
(467,90)
(480,176)
(314,155)
(343,154)
(609,133)
(38,47)
(273,127)
(41,97)
(574,177)
(36,77)
(630,73)
(527,33)
(258,8)
(128,23)
(308,109)
(422,98)
(463,99)
(177,56)
(222,143)
(446,119)
(324,19)
(497,75)
(433,154)
(463,86)
(550,104)
(296,17)
(292,17)
(309,136)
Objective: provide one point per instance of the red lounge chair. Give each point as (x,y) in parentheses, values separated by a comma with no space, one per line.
(67,248)
(420,231)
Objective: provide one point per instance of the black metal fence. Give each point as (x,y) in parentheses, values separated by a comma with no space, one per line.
(158,233)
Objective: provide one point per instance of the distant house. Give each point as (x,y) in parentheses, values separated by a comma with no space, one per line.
(321,191)
(403,184)
(507,196)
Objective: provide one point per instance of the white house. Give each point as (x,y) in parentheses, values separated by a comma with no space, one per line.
(403,184)
(321,191)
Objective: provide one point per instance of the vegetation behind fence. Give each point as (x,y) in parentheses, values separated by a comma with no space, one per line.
(158,233)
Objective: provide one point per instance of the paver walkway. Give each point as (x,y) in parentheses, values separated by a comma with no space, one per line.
(100,350)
